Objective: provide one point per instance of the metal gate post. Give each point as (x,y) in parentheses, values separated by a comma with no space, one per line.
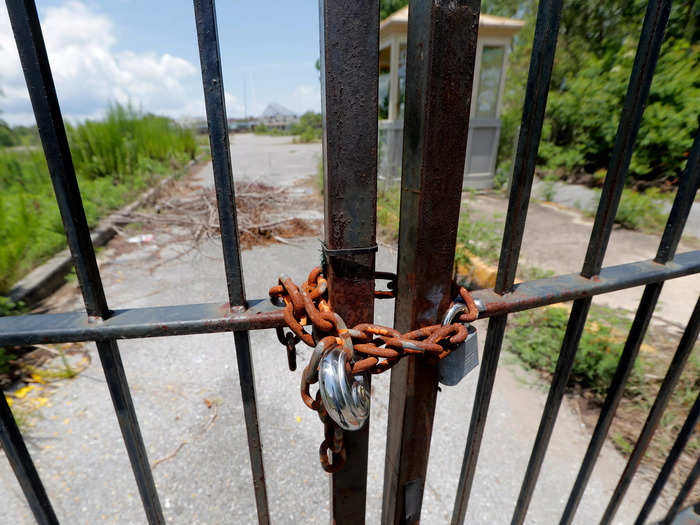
(440,68)
(349,83)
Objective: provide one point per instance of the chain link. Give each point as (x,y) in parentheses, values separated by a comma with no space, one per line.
(369,347)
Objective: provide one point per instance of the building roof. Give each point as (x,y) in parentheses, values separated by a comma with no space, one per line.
(400,18)
(276,110)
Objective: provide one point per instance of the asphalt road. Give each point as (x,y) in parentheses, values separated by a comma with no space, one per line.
(187,397)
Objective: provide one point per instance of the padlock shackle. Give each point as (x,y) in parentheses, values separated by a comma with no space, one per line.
(453,311)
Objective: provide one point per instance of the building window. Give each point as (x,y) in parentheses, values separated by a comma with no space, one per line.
(489,82)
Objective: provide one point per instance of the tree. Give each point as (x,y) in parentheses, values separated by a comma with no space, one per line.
(7,138)
(386,7)
(595,51)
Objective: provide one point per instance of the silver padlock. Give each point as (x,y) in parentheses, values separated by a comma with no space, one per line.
(346,398)
(465,357)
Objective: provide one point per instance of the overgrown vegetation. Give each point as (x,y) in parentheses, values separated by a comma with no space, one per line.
(115,159)
(17,135)
(126,143)
(309,128)
(7,307)
(640,210)
(388,207)
(535,337)
(595,51)
(476,235)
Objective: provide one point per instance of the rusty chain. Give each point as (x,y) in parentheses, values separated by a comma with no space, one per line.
(370,348)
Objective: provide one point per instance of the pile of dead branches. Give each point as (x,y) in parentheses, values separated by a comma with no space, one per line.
(261,212)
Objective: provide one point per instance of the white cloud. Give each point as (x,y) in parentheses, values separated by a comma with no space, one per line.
(89,73)
(305,98)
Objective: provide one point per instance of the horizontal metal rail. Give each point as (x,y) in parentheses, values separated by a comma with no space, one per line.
(159,321)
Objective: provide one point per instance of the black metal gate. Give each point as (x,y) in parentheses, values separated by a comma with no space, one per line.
(441,50)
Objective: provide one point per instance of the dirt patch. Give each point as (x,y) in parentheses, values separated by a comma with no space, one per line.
(535,338)
(632,413)
(42,360)
(35,372)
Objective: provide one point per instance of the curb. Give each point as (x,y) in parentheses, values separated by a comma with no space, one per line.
(50,276)
(477,272)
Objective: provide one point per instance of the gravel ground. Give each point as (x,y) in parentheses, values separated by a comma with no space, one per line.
(187,397)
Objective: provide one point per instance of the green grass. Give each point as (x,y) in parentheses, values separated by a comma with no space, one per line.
(478,236)
(535,337)
(548,190)
(115,159)
(388,206)
(319,177)
(641,211)
(262,129)
(8,307)
(481,237)
(621,443)
(65,371)
(126,143)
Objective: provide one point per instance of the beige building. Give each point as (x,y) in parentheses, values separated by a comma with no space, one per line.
(493,46)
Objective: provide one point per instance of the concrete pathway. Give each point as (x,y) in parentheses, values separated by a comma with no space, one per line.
(579,196)
(187,398)
(556,238)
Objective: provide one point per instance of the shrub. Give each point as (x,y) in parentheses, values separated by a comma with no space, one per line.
(7,138)
(536,336)
(595,52)
(309,128)
(583,115)
(643,211)
(262,129)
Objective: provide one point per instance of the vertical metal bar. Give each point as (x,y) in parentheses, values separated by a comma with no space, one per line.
(213,83)
(685,490)
(537,89)
(647,54)
(685,196)
(21,462)
(42,92)
(441,54)
(675,452)
(685,347)
(349,40)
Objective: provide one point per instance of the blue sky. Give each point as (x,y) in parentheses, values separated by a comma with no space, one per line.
(146,52)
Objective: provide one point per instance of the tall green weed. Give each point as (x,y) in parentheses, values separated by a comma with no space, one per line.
(115,159)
